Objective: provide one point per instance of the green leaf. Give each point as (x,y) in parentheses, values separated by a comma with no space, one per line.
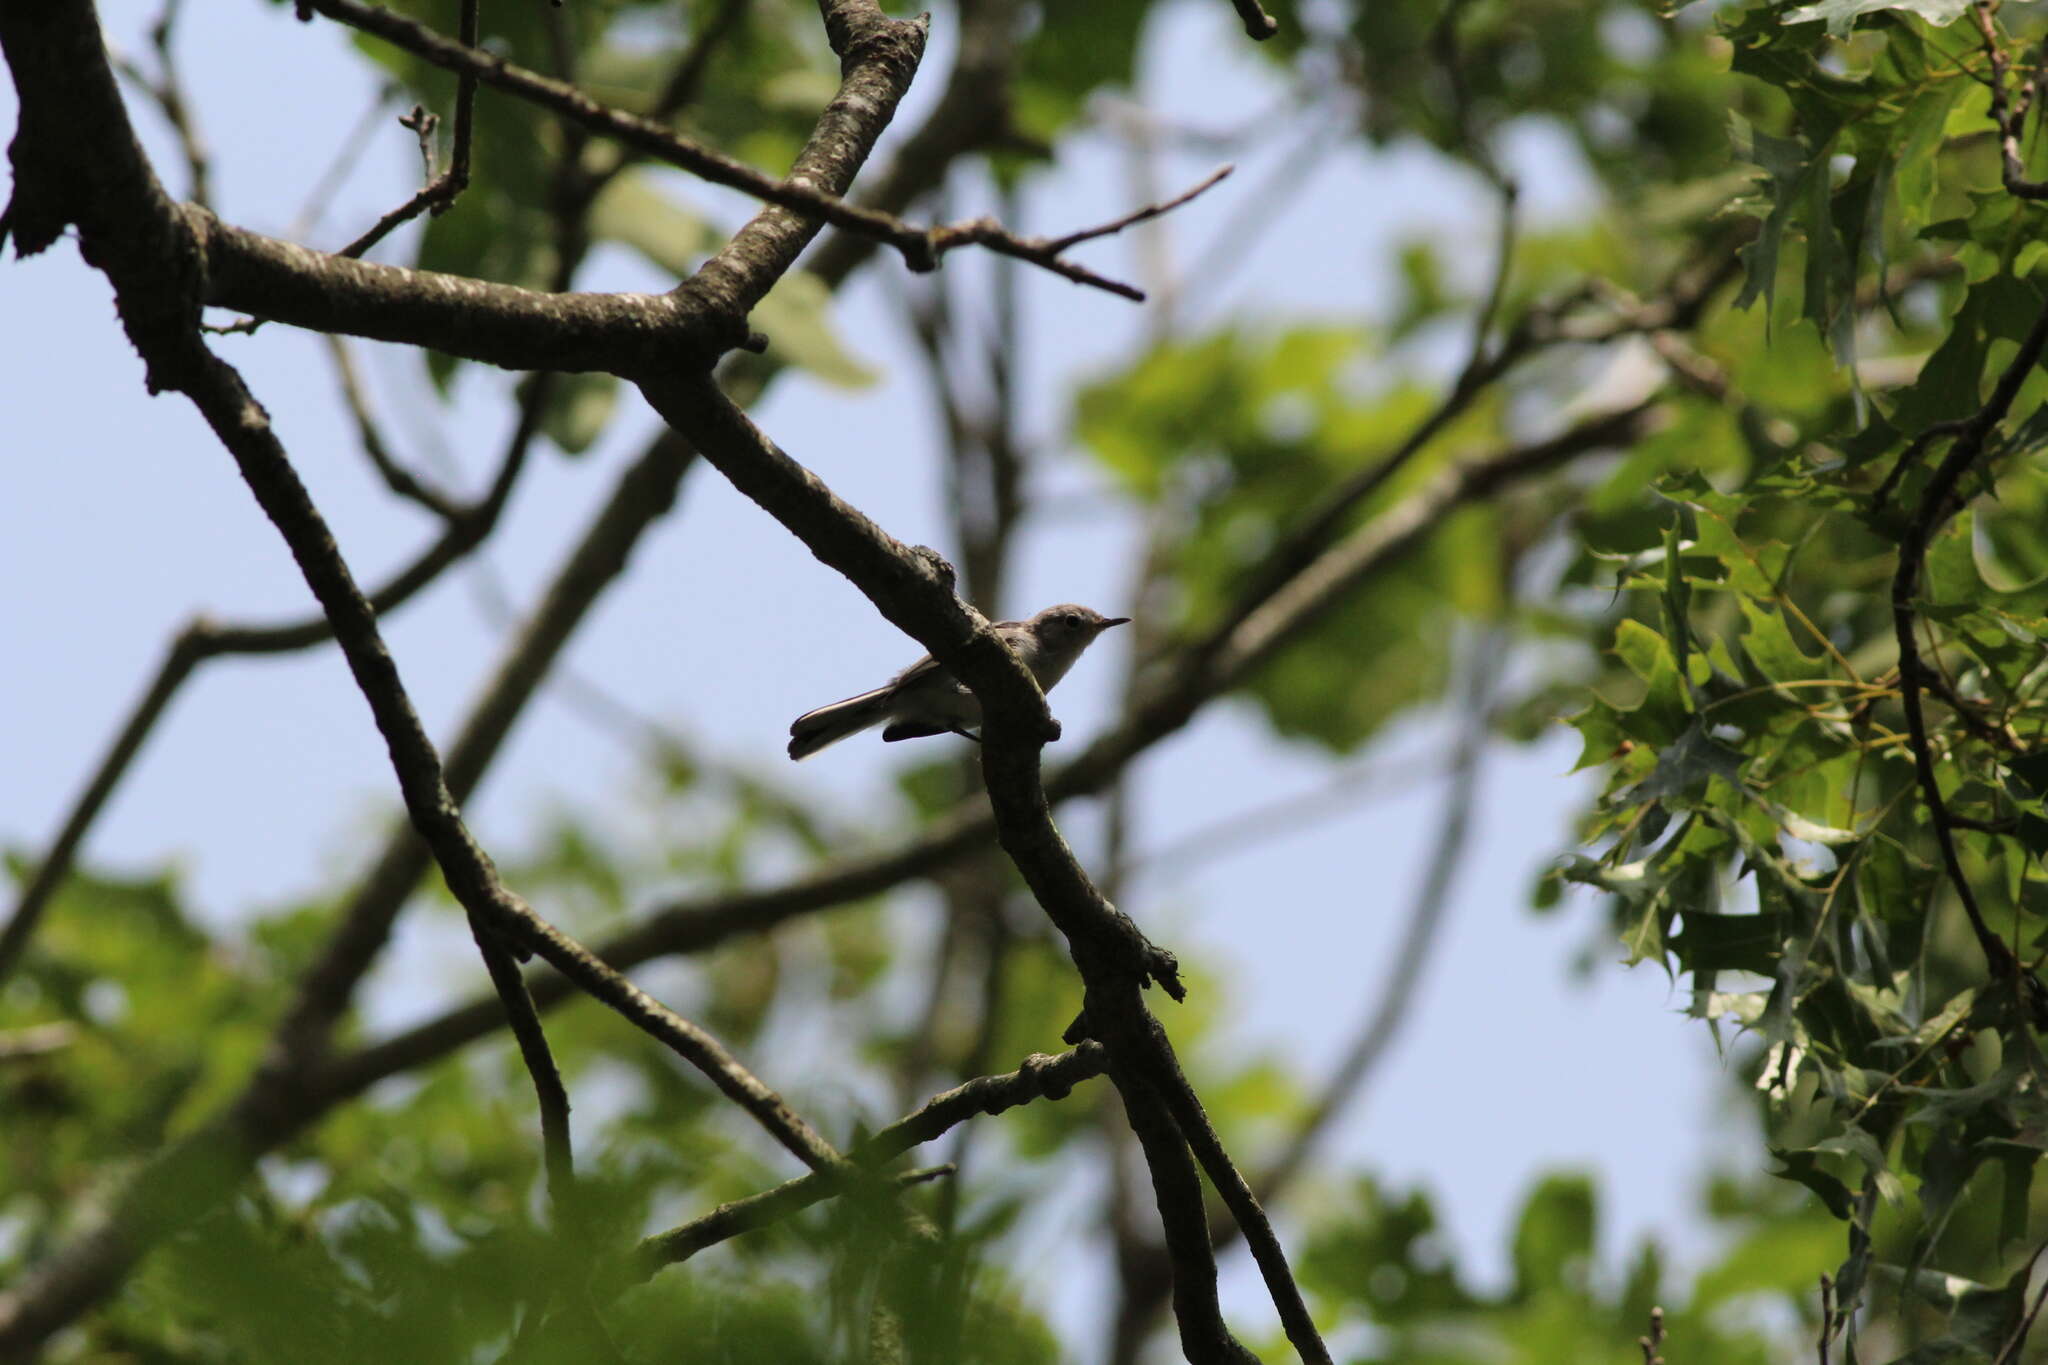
(1805,1169)
(797,318)
(635,213)
(1553,1245)
(1718,943)
(579,408)
(1662,715)
(1840,14)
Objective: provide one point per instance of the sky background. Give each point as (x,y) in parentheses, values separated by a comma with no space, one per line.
(120,517)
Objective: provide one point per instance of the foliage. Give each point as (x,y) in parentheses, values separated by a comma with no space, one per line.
(1764,829)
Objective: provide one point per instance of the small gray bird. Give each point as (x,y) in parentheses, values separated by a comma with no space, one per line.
(925,700)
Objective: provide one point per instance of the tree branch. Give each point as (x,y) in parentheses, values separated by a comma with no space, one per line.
(202,640)
(919,247)
(2008,122)
(972,111)
(1937,504)
(1040,1077)
(441,191)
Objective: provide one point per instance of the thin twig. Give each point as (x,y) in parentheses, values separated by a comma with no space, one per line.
(1145,214)
(2010,122)
(1937,504)
(353,145)
(920,247)
(1045,252)
(186,650)
(1040,1077)
(441,191)
(168,93)
(687,79)
(2015,1343)
(1405,969)
(397,478)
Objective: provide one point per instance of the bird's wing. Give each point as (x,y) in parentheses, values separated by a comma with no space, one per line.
(918,672)
(928,664)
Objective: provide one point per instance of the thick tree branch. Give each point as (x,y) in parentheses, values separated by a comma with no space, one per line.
(1205,1339)
(497,324)
(972,112)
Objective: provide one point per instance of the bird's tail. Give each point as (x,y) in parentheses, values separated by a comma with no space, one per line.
(813,730)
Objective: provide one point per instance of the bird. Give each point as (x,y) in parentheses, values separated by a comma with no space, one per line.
(924,699)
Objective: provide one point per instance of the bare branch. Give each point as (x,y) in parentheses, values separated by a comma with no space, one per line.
(687,79)
(919,247)
(551,1096)
(202,640)
(441,191)
(971,112)
(184,653)
(2009,122)
(169,94)
(1177,1191)
(1405,969)
(396,477)
(1040,1077)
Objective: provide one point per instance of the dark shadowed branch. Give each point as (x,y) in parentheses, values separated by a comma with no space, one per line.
(1938,502)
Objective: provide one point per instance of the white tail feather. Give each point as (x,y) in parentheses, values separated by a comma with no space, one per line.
(814,730)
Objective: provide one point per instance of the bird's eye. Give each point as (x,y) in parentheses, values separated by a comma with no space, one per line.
(1072,620)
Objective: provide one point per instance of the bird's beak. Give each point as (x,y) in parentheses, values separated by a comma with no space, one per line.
(1114,621)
